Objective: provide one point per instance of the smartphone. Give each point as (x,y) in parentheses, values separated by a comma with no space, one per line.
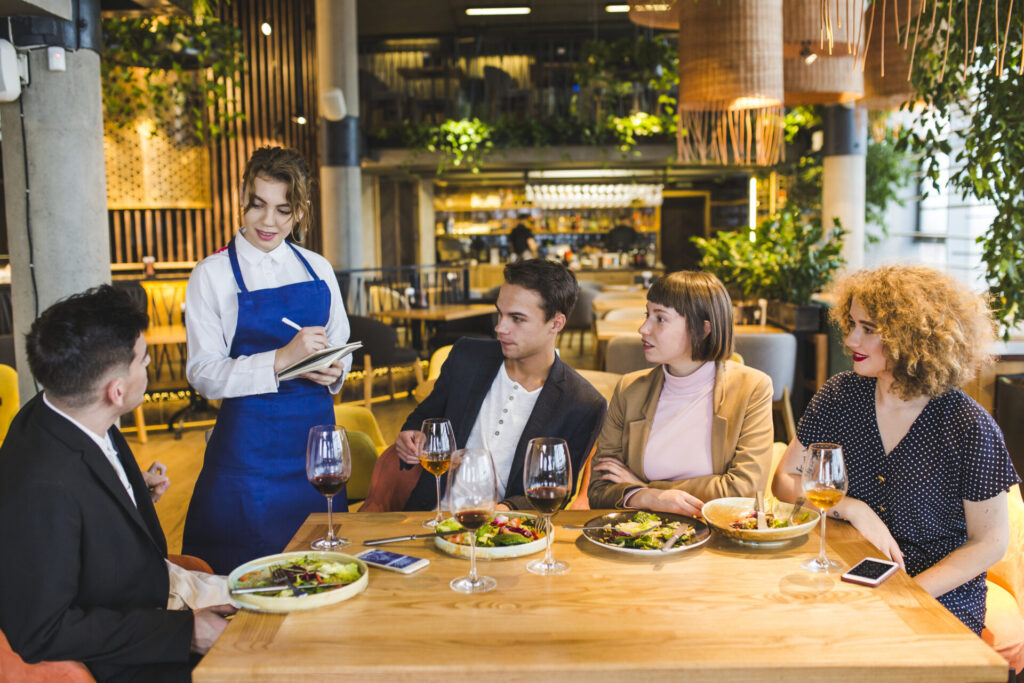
(385,559)
(870,571)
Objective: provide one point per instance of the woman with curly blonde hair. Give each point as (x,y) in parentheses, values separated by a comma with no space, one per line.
(928,469)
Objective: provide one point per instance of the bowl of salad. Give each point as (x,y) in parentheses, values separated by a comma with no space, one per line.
(735,518)
(508,534)
(289,582)
(639,532)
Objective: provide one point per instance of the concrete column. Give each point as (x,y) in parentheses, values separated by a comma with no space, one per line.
(57,214)
(843,177)
(340,176)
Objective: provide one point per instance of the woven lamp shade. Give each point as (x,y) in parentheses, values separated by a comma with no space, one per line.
(730,81)
(802,24)
(663,14)
(829,80)
(886,63)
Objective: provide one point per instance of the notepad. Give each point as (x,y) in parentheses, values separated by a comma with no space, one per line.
(317,360)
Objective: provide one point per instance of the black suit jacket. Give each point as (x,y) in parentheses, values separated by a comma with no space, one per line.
(83,575)
(569,407)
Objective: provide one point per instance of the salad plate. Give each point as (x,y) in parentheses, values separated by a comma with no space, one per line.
(619,528)
(503,537)
(305,569)
(731,516)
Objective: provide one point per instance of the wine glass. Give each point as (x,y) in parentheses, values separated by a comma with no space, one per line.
(435,453)
(472,496)
(328,467)
(824,483)
(547,477)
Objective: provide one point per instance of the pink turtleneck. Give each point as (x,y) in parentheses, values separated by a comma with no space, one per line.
(679,445)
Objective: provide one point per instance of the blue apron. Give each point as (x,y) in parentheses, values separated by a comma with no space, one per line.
(252,493)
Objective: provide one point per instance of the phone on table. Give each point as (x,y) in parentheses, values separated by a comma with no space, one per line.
(396,562)
(870,571)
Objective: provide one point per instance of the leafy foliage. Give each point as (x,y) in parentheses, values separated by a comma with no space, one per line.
(789,258)
(171,68)
(463,143)
(982,108)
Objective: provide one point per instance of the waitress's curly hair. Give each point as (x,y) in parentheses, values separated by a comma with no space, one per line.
(286,166)
(935,330)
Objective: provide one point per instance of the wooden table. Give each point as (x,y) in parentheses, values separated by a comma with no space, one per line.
(443,313)
(602,306)
(722,613)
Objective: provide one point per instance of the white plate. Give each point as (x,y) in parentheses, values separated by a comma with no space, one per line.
(701,533)
(265,603)
(722,512)
(498,552)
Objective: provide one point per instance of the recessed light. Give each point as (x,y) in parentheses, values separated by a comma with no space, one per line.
(496,11)
(299,119)
(266,28)
(614,9)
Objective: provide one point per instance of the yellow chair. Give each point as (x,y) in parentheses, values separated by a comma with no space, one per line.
(364,458)
(1004,623)
(9,398)
(437,359)
(360,419)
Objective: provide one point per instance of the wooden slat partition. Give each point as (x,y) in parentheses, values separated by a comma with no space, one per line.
(281,80)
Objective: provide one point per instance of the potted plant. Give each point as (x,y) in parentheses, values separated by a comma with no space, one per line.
(786,260)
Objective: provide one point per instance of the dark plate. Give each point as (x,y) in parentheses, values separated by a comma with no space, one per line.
(701,532)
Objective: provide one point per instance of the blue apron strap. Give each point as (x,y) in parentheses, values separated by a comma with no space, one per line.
(233,256)
(303,259)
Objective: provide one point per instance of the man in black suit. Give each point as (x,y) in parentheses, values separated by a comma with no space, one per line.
(84,575)
(500,394)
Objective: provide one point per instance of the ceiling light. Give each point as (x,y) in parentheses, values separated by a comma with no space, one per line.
(266,29)
(299,119)
(613,9)
(807,54)
(495,11)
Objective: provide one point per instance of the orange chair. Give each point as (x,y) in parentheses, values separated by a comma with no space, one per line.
(1004,625)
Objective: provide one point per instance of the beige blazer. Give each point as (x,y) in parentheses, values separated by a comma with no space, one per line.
(741,434)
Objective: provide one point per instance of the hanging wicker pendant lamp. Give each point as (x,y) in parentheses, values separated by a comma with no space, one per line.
(886,60)
(730,82)
(662,14)
(814,74)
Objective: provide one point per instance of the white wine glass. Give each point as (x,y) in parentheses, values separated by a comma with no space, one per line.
(328,467)
(435,453)
(547,479)
(824,482)
(472,497)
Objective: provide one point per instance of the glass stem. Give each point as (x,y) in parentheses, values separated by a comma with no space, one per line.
(437,483)
(330,519)
(548,559)
(472,557)
(822,559)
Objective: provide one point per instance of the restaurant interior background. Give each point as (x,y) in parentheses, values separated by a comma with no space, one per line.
(564,118)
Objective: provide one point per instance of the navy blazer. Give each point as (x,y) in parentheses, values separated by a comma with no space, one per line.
(84,574)
(568,407)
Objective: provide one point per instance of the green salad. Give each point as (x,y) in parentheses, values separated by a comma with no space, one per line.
(622,534)
(307,573)
(500,531)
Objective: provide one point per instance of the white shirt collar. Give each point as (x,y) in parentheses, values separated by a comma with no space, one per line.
(253,255)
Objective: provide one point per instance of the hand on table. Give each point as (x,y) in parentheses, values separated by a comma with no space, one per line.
(407,446)
(326,376)
(871,526)
(306,341)
(614,470)
(208,624)
(156,480)
(667,500)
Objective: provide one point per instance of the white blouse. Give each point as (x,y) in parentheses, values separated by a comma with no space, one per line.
(211,314)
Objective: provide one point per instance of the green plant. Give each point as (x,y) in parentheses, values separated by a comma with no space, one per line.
(787,257)
(171,68)
(980,106)
(464,143)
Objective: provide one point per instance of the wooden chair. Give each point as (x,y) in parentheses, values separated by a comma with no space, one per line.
(380,346)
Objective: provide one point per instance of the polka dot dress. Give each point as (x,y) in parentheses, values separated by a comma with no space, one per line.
(953,452)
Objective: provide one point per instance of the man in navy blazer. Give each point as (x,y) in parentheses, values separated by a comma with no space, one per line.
(84,575)
(500,394)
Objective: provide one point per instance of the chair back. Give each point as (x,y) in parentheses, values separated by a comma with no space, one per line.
(360,419)
(772,354)
(625,314)
(626,354)
(10,401)
(379,340)
(364,459)
(437,359)
(14,668)
(582,315)
(1009,571)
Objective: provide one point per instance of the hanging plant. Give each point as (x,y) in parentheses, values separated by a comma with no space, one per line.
(462,144)
(172,68)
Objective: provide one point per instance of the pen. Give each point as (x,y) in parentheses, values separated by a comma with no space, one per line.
(289,323)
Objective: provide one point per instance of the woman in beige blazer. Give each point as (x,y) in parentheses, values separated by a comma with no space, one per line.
(713,438)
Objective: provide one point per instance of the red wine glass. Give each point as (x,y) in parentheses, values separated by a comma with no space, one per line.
(547,480)
(328,467)
(472,496)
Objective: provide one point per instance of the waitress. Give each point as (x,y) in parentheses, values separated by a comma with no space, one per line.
(252,493)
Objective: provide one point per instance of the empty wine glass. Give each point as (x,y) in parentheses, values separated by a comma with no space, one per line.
(824,482)
(435,453)
(472,496)
(328,467)
(547,477)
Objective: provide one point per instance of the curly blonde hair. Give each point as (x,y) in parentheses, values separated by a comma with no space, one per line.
(934,329)
(287,166)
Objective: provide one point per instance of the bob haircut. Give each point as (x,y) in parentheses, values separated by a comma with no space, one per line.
(698,296)
(934,330)
(285,166)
